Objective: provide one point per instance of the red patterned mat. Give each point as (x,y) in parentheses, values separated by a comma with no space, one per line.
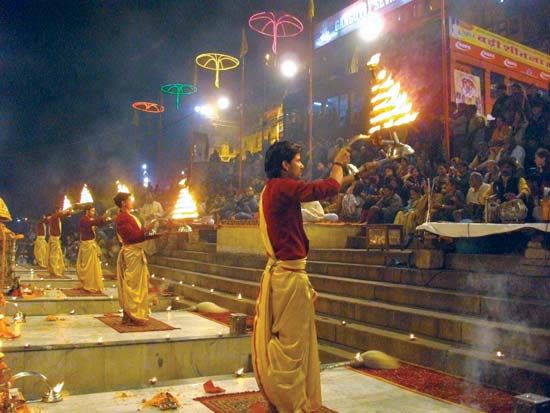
(449,388)
(115,322)
(223,318)
(239,402)
(80,292)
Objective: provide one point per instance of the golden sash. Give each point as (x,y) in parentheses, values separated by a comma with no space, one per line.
(284,342)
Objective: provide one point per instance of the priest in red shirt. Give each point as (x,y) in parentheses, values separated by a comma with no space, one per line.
(56,259)
(40,244)
(88,267)
(284,342)
(131,268)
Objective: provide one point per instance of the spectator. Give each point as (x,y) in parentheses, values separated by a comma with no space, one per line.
(351,203)
(509,186)
(441,178)
(453,200)
(482,155)
(384,211)
(500,102)
(475,199)
(414,213)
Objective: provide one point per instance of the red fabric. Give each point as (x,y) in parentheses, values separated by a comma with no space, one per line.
(41,228)
(447,387)
(283,214)
(55,225)
(87,225)
(210,388)
(128,229)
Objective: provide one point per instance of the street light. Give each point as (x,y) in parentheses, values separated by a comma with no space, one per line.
(289,68)
(223,103)
(371,28)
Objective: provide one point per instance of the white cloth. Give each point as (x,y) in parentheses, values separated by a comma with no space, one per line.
(467,230)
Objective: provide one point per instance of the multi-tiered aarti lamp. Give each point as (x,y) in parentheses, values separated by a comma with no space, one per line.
(185,209)
(390,108)
(86,199)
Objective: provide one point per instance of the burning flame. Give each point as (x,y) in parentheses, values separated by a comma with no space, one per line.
(86,196)
(121,188)
(66,204)
(390,105)
(185,207)
(58,387)
(239,372)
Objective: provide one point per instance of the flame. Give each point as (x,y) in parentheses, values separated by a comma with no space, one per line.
(86,196)
(121,188)
(390,104)
(58,387)
(66,204)
(185,207)
(374,60)
(239,372)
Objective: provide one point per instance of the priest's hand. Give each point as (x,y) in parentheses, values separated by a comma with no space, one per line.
(343,156)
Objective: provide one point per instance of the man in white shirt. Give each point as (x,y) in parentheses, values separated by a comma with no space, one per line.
(475,198)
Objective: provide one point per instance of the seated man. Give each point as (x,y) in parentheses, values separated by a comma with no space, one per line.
(509,186)
(475,199)
(384,211)
(415,213)
(453,200)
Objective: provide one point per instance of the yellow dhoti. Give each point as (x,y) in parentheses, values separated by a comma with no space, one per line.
(41,251)
(88,267)
(132,282)
(56,261)
(284,343)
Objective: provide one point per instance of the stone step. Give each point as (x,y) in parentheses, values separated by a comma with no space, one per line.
(516,340)
(532,311)
(492,284)
(391,257)
(59,304)
(70,351)
(454,358)
(510,264)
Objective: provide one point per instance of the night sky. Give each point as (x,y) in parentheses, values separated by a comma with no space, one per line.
(71,69)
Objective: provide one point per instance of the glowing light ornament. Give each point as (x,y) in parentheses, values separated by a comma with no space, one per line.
(148,107)
(121,188)
(390,105)
(66,204)
(217,62)
(178,89)
(268,24)
(86,196)
(185,207)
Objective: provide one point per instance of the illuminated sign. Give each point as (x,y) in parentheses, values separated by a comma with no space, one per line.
(350,19)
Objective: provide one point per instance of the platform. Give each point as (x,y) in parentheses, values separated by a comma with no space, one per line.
(89,356)
(344,391)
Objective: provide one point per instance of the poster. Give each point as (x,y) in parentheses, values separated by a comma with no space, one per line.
(468,89)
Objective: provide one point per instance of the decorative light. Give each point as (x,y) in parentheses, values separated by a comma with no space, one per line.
(268,24)
(167,336)
(220,334)
(217,62)
(359,358)
(192,285)
(26,345)
(211,290)
(344,322)
(185,207)
(239,297)
(371,27)
(178,89)
(148,107)
(223,103)
(86,196)
(72,312)
(100,340)
(239,372)
(66,204)
(144,166)
(177,298)
(500,354)
(153,381)
(289,68)
(412,337)
(180,283)
(169,308)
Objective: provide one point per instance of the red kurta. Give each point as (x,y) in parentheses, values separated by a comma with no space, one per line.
(86,227)
(41,228)
(55,225)
(282,210)
(128,229)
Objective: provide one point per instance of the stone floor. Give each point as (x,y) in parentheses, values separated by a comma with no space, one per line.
(344,391)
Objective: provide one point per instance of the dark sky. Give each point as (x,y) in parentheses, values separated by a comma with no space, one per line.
(70,70)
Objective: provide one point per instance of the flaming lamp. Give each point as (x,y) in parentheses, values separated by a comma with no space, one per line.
(86,198)
(185,208)
(66,204)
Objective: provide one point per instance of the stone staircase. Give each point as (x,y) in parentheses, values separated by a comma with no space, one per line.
(369,300)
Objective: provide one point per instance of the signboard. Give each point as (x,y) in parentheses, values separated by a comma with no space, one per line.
(350,19)
(501,51)
(468,89)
